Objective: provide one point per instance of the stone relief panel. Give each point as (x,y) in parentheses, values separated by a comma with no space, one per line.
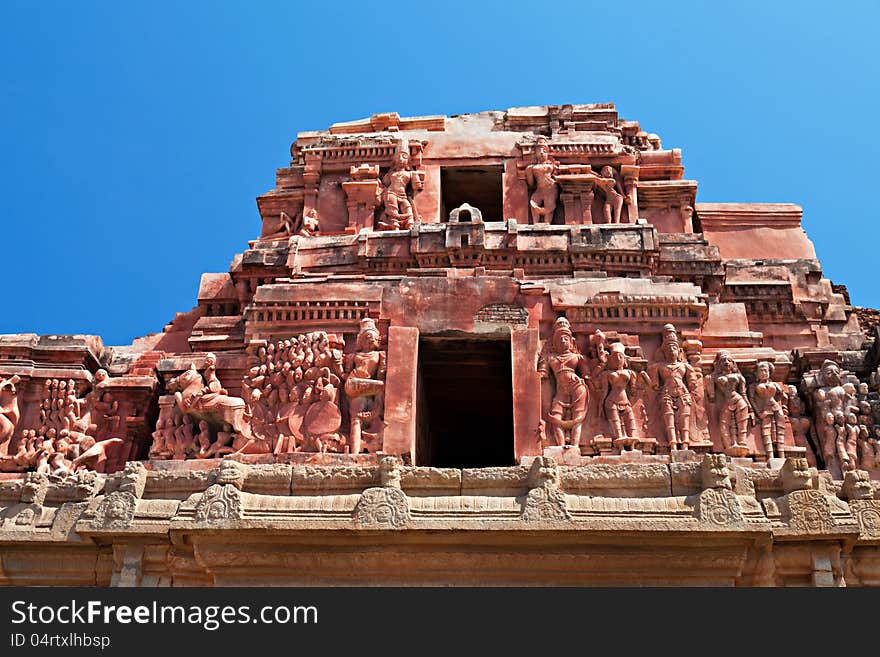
(199,419)
(833,395)
(590,193)
(70,432)
(302,394)
(600,395)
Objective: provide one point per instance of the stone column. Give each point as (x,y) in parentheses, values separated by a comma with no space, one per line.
(311,178)
(400,391)
(526,393)
(630,187)
(362,196)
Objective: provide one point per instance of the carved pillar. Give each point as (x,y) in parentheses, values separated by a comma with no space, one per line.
(587,205)
(311,178)
(577,196)
(568,205)
(630,187)
(134,395)
(400,391)
(687,224)
(526,393)
(362,196)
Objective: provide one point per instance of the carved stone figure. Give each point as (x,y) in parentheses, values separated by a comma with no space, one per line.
(768,402)
(569,401)
(365,387)
(205,400)
(715,472)
(321,395)
(68,427)
(545,501)
(222,445)
(857,485)
(833,403)
(673,378)
(800,424)
(304,225)
(717,505)
(399,210)
(869,455)
(542,176)
(615,384)
(386,505)
(796,475)
(218,504)
(9,413)
(294,394)
(309,226)
(614,195)
(390,471)
(693,350)
(95,457)
(727,389)
(598,350)
(35,488)
(846,435)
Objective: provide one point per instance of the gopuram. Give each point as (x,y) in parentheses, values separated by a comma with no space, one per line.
(501,348)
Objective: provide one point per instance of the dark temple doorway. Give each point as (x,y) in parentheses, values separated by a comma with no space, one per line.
(464,411)
(480,186)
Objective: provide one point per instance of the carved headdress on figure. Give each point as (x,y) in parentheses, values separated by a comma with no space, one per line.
(562,327)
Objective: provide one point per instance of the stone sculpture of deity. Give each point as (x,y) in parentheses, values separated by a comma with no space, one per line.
(768,402)
(399,210)
(726,388)
(800,424)
(834,406)
(615,385)
(568,407)
(673,377)
(9,413)
(613,193)
(542,176)
(693,350)
(365,386)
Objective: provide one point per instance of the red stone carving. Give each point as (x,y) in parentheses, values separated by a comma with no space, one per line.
(768,402)
(801,424)
(673,332)
(9,413)
(365,389)
(400,213)
(567,407)
(727,389)
(673,377)
(835,410)
(70,432)
(542,175)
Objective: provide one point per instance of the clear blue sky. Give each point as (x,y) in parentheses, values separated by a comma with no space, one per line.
(135,136)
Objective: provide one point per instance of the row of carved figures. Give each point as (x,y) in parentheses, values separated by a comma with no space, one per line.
(72,433)
(305,394)
(395,193)
(302,394)
(685,403)
(616,193)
